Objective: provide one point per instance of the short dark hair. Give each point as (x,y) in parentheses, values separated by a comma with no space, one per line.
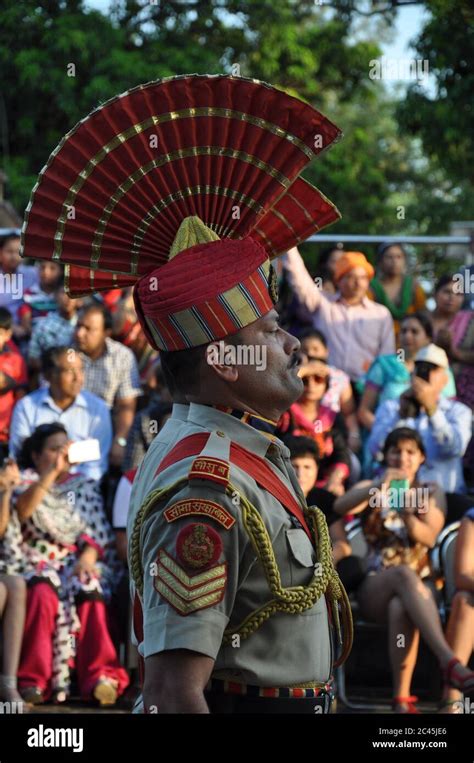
(382,248)
(311,333)
(5,319)
(442,281)
(9,237)
(302,446)
(181,369)
(424,319)
(96,307)
(403,433)
(50,357)
(35,443)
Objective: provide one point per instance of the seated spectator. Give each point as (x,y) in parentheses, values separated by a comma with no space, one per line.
(85,415)
(71,569)
(327,262)
(110,371)
(39,299)
(12,589)
(16,276)
(460,630)
(444,424)
(389,375)
(13,379)
(400,525)
(349,319)
(127,330)
(339,395)
(120,511)
(146,425)
(392,287)
(309,418)
(454,332)
(55,330)
(305,460)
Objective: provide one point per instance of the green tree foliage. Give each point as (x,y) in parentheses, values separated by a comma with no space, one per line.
(445,119)
(308,50)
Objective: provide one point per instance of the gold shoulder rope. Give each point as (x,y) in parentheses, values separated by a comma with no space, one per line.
(292,600)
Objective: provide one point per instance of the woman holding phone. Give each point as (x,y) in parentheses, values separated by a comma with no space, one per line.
(70,567)
(402,518)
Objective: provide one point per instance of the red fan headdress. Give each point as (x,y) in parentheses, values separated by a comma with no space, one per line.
(119,198)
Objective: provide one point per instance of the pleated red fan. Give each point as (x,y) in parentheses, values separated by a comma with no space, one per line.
(299,213)
(229,150)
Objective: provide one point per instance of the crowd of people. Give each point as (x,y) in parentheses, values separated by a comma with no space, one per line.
(386,411)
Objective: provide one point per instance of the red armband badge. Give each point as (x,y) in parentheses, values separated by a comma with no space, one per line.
(213,469)
(199,507)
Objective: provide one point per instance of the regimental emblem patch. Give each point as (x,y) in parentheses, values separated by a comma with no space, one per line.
(199,507)
(189,593)
(213,469)
(198,546)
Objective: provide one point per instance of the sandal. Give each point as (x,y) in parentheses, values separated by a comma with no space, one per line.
(410,703)
(451,706)
(32,695)
(466,684)
(105,692)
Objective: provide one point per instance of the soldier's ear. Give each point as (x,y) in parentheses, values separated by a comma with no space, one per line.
(220,358)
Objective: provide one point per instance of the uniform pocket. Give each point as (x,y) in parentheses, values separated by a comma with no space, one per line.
(300,547)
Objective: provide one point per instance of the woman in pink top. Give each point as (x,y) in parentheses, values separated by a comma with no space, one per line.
(454,332)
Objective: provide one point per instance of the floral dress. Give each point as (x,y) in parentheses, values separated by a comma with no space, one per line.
(47,545)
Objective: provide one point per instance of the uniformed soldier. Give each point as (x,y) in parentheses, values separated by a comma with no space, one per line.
(233,572)
(185,188)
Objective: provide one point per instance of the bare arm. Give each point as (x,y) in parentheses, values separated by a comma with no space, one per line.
(427,525)
(29,500)
(367,406)
(175,681)
(125,408)
(356,499)
(121,544)
(5,496)
(300,280)
(464,558)
(340,545)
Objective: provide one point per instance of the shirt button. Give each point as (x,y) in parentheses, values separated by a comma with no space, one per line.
(220,434)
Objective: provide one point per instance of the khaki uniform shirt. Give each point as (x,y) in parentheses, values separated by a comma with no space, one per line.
(190,608)
(166,438)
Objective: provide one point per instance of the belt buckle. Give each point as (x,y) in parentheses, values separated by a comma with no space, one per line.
(327,700)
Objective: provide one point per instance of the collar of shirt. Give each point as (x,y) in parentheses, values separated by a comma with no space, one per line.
(365,301)
(79,402)
(179,412)
(242,433)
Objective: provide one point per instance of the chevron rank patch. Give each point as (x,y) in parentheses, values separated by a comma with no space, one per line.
(189,593)
(199,507)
